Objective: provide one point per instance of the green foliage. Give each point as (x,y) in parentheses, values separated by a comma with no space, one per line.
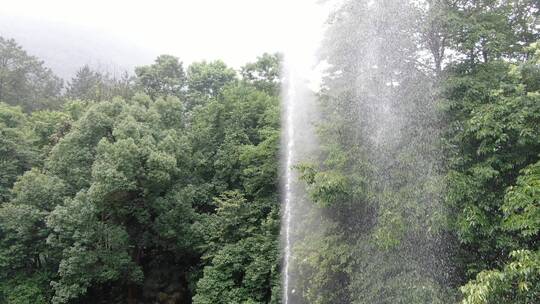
(521,205)
(114,200)
(208,78)
(93,251)
(165,77)
(23,290)
(517,282)
(264,74)
(494,119)
(206,82)
(132,159)
(486,30)
(325,260)
(236,141)
(94,86)
(243,253)
(24,80)
(492,111)
(376,181)
(26,141)
(325,188)
(164,187)
(394,275)
(23,246)
(16,156)
(382,189)
(47,128)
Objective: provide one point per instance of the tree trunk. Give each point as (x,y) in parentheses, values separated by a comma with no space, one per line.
(131,294)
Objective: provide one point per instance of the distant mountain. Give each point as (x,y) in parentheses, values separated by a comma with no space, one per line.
(66,48)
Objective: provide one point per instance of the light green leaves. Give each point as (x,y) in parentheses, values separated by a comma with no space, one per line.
(522,203)
(518,281)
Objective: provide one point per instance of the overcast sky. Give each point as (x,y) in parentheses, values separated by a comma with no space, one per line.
(126,33)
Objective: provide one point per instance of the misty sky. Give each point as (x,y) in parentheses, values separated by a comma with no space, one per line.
(120,34)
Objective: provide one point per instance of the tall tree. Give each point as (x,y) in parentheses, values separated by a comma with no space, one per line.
(92,85)
(165,77)
(25,81)
(378,177)
(264,73)
(16,153)
(493,146)
(206,80)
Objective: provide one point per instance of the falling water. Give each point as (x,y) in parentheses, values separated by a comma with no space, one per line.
(299,140)
(390,110)
(300,77)
(289,110)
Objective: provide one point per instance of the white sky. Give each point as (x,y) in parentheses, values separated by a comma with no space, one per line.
(236,31)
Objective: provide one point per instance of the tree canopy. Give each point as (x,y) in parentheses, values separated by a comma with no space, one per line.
(162,185)
(24,80)
(120,198)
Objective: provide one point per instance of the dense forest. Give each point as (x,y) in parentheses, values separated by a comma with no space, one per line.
(427,174)
(162,185)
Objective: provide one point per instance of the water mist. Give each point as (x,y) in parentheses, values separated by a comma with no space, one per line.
(301,76)
(378,105)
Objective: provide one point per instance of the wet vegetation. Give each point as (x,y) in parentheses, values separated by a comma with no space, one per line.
(162,186)
(427,174)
